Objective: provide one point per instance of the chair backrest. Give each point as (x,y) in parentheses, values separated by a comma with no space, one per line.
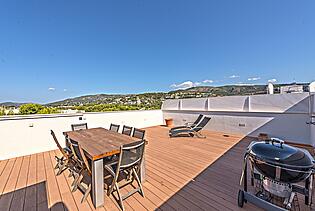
(81,126)
(85,160)
(58,144)
(74,146)
(138,133)
(114,127)
(201,124)
(131,154)
(127,130)
(198,119)
(79,154)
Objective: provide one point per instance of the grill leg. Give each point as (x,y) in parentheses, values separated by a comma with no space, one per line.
(307,188)
(245,177)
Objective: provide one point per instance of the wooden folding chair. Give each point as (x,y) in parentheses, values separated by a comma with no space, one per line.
(129,163)
(127,130)
(138,133)
(81,126)
(114,127)
(64,161)
(82,173)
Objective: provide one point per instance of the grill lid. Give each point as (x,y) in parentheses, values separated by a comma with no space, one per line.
(275,152)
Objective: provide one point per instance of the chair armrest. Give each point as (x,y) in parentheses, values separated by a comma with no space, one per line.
(111,163)
(194,128)
(189,124)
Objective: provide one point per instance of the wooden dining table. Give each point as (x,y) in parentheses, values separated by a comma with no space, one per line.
(99,143)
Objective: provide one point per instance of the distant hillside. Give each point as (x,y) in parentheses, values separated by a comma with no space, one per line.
(11,104)
(228,90)
(154,100)
(149,99)
(127,99)
(87,99)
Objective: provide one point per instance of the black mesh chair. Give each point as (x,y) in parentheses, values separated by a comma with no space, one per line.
(81,126)
(82,172)
(127,130)
(189,124)
(129,162)
(138,133)
(191,131)
(78,160)
(114,127)
(64,162)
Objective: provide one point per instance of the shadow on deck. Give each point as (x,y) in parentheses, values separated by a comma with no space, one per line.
(33,197)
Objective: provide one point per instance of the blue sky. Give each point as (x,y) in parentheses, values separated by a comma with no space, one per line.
(50,50)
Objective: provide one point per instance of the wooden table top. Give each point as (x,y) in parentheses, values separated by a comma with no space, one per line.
(99,142)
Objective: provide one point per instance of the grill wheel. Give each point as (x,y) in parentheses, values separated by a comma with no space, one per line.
(240,201)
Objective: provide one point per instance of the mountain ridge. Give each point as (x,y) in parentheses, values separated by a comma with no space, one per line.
(154,98)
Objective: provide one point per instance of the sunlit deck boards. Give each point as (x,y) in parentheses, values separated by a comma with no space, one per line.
(182,174)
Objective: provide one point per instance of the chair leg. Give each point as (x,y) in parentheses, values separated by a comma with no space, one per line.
(119,197)
(62,167)
(75,178)
(76,183)
(129,175)
(57,165)
(86,194)
(138,181)
(110,189)
(58,162)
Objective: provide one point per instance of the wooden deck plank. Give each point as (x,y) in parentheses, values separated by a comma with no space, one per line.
(30,193)
(182,171)
(5,174)
(41,186)
(65,192)
(17,203)
(76,195)
(167,189)
(159,197)
(3,165)
(190,202)
(131,203)
(142,200)
(171,179)
(8,191)
(52,185)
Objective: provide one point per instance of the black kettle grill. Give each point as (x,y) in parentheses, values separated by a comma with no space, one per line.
(278,167)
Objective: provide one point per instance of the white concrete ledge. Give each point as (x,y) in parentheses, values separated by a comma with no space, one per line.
(24,135)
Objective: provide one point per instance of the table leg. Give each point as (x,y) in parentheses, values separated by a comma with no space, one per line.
(142,170)
(98,183)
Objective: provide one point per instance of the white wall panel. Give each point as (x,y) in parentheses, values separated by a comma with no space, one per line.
(229,103)
(26,135)
(170,105)
(295,102)
(194,104)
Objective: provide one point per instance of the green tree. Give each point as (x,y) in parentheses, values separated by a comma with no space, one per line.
(2,111)
(47,110)
(30,108)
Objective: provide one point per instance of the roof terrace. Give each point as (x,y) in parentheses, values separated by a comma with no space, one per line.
(181,173)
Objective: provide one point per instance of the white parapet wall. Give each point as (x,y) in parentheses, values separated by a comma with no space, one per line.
(25,135)
(280,115)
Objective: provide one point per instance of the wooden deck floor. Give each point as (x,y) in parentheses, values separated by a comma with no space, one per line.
(182,174)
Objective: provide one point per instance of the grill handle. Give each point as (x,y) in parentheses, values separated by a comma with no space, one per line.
(277,140)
